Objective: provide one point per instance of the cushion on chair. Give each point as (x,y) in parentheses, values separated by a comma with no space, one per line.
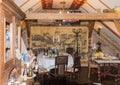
(73,73)
(72,70)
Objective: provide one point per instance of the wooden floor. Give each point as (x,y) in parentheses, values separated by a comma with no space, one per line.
(83,78)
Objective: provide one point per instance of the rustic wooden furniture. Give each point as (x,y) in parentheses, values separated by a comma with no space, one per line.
(48,62)
(91,65)
(70,50)
(117,78)
(108,68)
(60,65)
(73,72)
(10,16)
(41,73)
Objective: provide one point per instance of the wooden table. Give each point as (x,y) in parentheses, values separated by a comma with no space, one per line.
(105,66)
(49,63)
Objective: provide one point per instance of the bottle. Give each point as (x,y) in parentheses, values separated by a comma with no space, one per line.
(26,57)
(25,72)
(30,73)
(50,53)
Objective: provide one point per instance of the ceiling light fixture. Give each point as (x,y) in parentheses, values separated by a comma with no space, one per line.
(63,9)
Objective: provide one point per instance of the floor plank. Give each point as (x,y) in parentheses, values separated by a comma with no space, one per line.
(83,78)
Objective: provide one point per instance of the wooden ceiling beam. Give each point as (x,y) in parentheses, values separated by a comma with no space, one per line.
(91,6)
(105,4)
(81,16)
(32,6)
(85,10)
(24,3)
(91,27)
(117,24)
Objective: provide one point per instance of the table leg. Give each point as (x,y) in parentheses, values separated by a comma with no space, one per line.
(104,70)
(99,73)
(117,77)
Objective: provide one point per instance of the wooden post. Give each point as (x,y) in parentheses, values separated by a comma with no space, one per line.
(1,43)
(19,38)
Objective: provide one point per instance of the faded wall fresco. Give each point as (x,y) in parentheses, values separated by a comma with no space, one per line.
(62,37)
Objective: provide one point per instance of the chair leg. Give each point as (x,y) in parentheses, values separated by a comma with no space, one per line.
(78,75)
(89,72)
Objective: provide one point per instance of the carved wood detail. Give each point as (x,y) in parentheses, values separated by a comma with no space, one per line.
(10,12)
(8,64)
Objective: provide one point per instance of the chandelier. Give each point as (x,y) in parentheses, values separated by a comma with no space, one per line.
(63,9)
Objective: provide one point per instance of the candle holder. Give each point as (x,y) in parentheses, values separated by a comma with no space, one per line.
(56,37)
(77,32)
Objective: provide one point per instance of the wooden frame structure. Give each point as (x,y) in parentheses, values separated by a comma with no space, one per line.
(81,16)
(11,13)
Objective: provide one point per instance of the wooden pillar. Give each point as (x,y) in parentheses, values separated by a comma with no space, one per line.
(19,38)
(117,24)
(91,28)
(1,43)
(13,37)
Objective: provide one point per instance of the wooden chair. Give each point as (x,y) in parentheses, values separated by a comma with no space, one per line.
(42,72)
(91,65)
(70,50)
(73,72)
(61,63)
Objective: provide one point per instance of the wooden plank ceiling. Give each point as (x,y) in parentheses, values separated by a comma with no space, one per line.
(86,6)
(76,4)
(32,5)
(33,9)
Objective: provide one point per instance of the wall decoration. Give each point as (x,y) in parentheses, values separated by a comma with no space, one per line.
(62,37)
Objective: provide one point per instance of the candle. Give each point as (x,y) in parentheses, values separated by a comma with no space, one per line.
(53,39)
(58,38)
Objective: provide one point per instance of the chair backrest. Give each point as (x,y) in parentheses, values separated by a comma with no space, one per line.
(61,63)
(77,63)
(69,50)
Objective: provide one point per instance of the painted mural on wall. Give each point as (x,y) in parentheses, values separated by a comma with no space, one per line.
(62,37)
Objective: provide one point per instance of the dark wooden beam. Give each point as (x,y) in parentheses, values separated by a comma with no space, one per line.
(117,24)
